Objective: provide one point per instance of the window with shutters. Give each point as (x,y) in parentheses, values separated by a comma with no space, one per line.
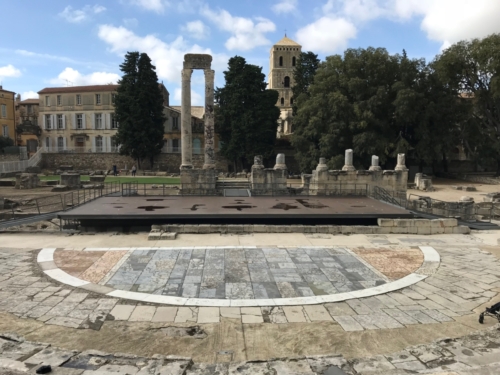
(175,145)
(114,123)
(58,100)
(4,111)
(48,122)
(98,99)
(98,120)
(47,142)
(60,143)
(5,131)
(47,101)
(113,97)
(60,123)
(98,144)
(175,123)
(78,100)
(282,101)
(79,121)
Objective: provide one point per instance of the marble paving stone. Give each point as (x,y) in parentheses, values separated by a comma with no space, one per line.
(294,314)
(142,314)
(208,315)
(122,312)
(348,323)
(317,313)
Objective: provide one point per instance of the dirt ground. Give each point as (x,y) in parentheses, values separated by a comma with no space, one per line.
(444,190)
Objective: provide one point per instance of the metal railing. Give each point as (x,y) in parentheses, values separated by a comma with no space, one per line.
(397,198)
(60,202)
(80,150)
(20,166)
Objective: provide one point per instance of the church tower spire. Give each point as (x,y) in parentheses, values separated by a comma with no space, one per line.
(283,58)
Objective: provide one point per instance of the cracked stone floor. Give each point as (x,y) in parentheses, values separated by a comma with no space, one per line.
(443,305)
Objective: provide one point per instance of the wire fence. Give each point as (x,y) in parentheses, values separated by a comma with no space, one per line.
(60,202)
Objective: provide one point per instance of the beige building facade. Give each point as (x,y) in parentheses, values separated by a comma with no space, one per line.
(28,131)
(7,114)
(283,58)
(78,118)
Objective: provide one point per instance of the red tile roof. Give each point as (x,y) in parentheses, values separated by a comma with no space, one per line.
(78,89)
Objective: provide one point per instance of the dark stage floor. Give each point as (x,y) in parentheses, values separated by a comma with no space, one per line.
(234,209)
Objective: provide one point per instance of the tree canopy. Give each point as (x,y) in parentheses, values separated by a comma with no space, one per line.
(303,76)
(139,109)
(377,104)
(472,70)
(245,114)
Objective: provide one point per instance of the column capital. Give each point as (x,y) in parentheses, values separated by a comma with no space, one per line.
(186,74)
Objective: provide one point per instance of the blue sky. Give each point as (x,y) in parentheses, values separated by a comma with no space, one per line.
(80,42)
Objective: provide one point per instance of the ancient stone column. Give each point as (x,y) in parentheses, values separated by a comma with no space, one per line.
(322,165)
(375,166)
(209,120)
(401,166)
(186,131)
(257,162)
(280,162)
(348,161)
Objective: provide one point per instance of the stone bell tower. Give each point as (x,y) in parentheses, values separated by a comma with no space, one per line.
(284,56)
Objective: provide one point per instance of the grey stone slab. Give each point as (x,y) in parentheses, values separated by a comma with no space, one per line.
(348,323)
(65,321)
(239,291)
(400,316)
(190,290)
(421,317)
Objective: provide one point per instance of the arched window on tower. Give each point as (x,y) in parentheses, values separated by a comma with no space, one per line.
(293,61)
(286,83)
(282,101)
(281,60)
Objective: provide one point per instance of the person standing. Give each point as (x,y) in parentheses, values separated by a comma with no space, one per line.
(134,169)
(115,171)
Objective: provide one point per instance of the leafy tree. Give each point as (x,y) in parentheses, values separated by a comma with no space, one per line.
(376,104)
(303,76)
(245,113)
(5,142)
(472,70)
(139,109)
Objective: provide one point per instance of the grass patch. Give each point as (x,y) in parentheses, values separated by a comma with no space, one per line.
(141,180)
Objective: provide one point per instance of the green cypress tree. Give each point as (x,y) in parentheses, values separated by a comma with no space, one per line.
(246,114)
(139,109)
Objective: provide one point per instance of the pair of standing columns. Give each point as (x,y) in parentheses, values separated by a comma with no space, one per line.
(186,131)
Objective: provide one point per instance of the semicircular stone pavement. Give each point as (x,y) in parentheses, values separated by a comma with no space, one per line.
(240,276)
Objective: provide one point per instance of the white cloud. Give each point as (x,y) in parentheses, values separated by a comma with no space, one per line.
(167,57)
(80,15)
(197,29)
(157,6)
(196,98)
(75,78)
(327,34)
(285,6)
(9,71)
(23,52)
(247,34)
(445,21)
(29,95)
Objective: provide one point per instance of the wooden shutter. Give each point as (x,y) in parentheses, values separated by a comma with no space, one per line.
(74,120)
(108,120)
(64,120)
(84,123)
(64,143)
(93,144)
(93,120)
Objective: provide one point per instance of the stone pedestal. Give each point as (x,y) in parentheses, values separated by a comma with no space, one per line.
(401,166)
(348,164)
(280,162)
(209,120)
(186,131)
(257,162)
(322,165)
(27,181)
(198,181)
(71,180)
(375,164)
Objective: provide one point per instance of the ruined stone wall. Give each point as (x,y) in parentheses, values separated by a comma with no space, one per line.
(105,161)
(336,181)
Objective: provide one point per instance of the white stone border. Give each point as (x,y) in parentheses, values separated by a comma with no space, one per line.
(429,266)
